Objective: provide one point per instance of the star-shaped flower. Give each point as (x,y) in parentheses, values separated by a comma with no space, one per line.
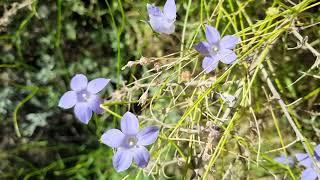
(216,49)
(130,142)
(83,96)
(311,172)
(163,21)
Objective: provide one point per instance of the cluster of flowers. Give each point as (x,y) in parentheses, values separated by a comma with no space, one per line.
(130,142)
(312,168)
(215,49)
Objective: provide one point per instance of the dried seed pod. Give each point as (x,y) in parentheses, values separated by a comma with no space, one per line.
(205,157)
(143,98)
(185,76)
(144,61)
(157,66)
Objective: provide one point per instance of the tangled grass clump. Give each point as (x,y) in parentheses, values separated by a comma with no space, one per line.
(231,122)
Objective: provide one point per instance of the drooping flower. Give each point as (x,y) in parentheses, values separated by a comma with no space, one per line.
(216,49)
(163,21)
(286,160)
(312,170)
(84,97)
(130,142)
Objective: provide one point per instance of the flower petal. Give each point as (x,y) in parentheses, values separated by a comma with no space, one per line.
(129,124)
(79,82)
(212,34)
(83,112)
(304,160)
(285,160)
(203,48)
(122,160)
(227,56)
(68,100)
(154,10)
(168,27)
(209,63)
(162,25)
(229,42)
(309,174)
(301,156)
(170,9)
(97,85)
(148,135)
(141,156)
(94,104)
(112,138)
(317,152)
(156,23)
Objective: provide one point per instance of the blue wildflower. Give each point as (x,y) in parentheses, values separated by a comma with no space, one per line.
(289,161)
(83,97)
(216,49)
(311,172)
(130,142)
(163,21)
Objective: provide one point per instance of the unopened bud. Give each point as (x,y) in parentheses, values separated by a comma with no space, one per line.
(143,98)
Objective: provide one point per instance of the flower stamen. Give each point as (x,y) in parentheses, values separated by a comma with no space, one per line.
(215,48)
(132,141)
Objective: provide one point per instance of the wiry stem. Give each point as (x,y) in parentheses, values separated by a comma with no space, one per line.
(283,106)
(308,46)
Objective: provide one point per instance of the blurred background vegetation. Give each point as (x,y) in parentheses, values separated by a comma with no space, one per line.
(44,43)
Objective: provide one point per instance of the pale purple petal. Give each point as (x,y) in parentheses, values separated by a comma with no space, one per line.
(212,35)
(227,56)
(285,160)
(162,25)
(68,100)
(309,174)
(156,23)
(170,9)
(153,10)
(141,156)
(209,63)
(97,85)
(301,156)
(168,27)
(148,135)
(83,112)
(203,48)
(317,152)
(304,159)
(112,138)
(229,42)
(159,22)
(306,162)
(129,124)
(122,160)
(94,104)
(79,82)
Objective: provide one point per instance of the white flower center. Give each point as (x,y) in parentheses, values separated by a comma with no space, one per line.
(215,48)
(83,96)
(132,141)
